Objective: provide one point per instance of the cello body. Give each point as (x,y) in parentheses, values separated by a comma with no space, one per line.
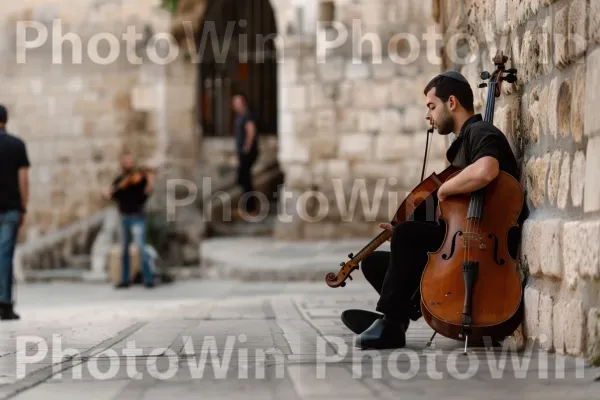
(474,258)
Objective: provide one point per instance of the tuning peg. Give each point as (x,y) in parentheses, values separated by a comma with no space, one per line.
(350,255)
(342,264)
(482,85)
(510,78)
(485,75)
(350,277)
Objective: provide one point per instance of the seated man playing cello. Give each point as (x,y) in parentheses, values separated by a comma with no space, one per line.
(481,150)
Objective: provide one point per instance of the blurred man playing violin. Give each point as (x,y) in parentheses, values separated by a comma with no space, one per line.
(481,151)
(130,190)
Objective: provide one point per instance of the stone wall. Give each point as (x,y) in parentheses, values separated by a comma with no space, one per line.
(352,117)
(77,108)
(550,118)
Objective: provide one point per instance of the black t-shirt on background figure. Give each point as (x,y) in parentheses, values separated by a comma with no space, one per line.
(131,200)
(13,156)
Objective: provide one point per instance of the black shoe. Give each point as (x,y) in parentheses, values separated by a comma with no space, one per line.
(384,333)
(149,285)
(122,285)
(359,320)
(7,312)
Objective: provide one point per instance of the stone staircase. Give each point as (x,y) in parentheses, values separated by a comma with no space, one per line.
(61,254)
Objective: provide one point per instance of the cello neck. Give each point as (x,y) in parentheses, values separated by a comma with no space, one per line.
(488,115)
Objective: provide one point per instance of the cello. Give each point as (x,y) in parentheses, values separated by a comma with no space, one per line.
(471,286)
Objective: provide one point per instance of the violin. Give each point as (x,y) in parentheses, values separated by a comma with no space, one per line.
(133,177)
(471,286)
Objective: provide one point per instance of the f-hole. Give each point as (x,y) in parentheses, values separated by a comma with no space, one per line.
(447,257)
(501,261)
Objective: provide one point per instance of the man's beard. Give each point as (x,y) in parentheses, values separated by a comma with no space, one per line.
(446,124)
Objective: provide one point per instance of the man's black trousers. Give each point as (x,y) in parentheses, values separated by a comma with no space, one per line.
(245,164)
(396,274)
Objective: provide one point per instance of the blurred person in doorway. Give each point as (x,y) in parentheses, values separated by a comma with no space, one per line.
(130,189)
(246,145)
(14,195)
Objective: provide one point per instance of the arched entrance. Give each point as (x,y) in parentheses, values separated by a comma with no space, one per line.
(236,42)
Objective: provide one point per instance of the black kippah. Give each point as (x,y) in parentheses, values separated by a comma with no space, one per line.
(457,76)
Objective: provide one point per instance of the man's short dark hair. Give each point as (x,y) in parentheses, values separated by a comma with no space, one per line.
(3,114)
(446,87)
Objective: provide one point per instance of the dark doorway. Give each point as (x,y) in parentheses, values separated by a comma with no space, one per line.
(237,50)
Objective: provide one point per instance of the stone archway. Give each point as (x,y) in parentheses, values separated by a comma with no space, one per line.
(238,54)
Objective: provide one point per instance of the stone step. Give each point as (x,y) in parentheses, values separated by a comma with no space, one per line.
(266,259)
(56,274)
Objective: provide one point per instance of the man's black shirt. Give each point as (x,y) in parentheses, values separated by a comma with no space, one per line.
(13,156)
(478,139)
(131,200)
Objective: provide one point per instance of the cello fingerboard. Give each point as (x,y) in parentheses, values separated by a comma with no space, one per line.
(476,205)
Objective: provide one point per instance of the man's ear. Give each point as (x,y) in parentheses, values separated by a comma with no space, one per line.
(452,103)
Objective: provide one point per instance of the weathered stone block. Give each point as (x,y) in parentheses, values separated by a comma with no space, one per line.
(368,120)
(577,104)
(501,14)
(563,184)
(357,71)
(348,120)
(575,253)
(530,50)
(406,91)
(545,326)
(332,70)
(591,201)
(558,326)
(323,146)
(564,108)
(591,125)
(552,107)
(414,119)
(355,146)
(391,121)
(561,37)
(291,150)
(289,71)
(593,335)
(530,243)
(338,169)
(578,179)
(551,247)
(531,314)
(545,45)
(393,147)
(574,332)
(594,23)
(534,115)
(577,29)
(589,265)
(536,169)
(294,97)
(368,94)
(325,122)
(297,176)
(384,71)
(554,176)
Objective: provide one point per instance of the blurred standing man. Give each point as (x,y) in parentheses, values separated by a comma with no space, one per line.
(130,190)
(14,194)
(246,144)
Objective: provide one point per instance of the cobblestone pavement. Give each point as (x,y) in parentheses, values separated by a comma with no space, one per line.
(219,339)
